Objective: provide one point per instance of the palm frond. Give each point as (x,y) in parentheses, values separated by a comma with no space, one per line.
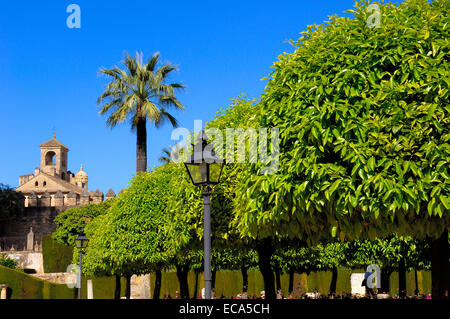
(165,116)
(152,62)
(139,91)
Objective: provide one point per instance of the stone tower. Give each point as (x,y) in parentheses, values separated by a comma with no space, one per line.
(81,179)
(54,159)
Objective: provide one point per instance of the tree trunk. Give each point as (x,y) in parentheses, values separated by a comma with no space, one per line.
(118,288)
(265,251)
(182,274)
(196,284)
(334,274)
(157,289)
(385,281)
(213,279)
(291,281)
(128,288)
(244,280)
(402,278)
(278,279)
(416,291)
(141,145)
(440,275)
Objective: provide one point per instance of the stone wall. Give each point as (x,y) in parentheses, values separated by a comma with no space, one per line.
(59,199)
(58,277)
(28,260)
(14,229)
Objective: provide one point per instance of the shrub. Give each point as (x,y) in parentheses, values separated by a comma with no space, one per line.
(7,262)
(23,286)
(56,256)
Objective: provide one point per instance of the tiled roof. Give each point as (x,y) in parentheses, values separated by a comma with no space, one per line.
(54,143)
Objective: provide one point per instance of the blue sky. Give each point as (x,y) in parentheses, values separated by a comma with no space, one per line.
(49,73)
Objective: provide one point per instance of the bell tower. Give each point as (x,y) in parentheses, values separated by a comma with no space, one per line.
(54,158)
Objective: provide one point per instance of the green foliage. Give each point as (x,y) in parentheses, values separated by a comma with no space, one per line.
(24,286)
(7,262)
(364,130)
(304,259)
(70,222)
(387,252)
(240,114)
(56,256)
(233,259)
(136,91)
(229,250)
(11,202)
(137,235)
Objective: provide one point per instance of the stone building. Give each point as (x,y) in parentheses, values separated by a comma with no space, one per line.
(49,191)
(52,184)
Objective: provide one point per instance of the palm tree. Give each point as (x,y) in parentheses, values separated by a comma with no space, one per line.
(139,93)
(166,158)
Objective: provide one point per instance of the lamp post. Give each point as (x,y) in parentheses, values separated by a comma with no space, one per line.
(204,168)
(82,243)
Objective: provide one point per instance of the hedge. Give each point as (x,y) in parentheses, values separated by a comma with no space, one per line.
(229,283)
(103,287)
(24,286)
(56,256)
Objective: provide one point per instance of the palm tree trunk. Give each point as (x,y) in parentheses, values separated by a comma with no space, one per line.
(141,145)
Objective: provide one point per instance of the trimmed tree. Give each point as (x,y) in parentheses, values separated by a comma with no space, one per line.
(364,134)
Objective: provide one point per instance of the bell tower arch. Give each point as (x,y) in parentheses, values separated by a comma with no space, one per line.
(54,158)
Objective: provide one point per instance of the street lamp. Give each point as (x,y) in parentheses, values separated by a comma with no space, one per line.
(204,168)
(82,243)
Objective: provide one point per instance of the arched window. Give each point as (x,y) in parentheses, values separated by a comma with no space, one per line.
(45,183)
(50,158)
(36,183)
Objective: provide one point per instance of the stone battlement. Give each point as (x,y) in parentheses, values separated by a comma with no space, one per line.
(59,199)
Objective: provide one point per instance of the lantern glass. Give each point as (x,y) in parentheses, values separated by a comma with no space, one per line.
(204,166)
(215,170)
(82,241)
(195,173)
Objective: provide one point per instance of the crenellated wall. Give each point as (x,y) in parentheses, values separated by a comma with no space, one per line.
(59,199)
(38,217)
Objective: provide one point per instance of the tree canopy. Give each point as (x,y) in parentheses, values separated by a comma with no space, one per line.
(11,202)
(71,222)
(364,130)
